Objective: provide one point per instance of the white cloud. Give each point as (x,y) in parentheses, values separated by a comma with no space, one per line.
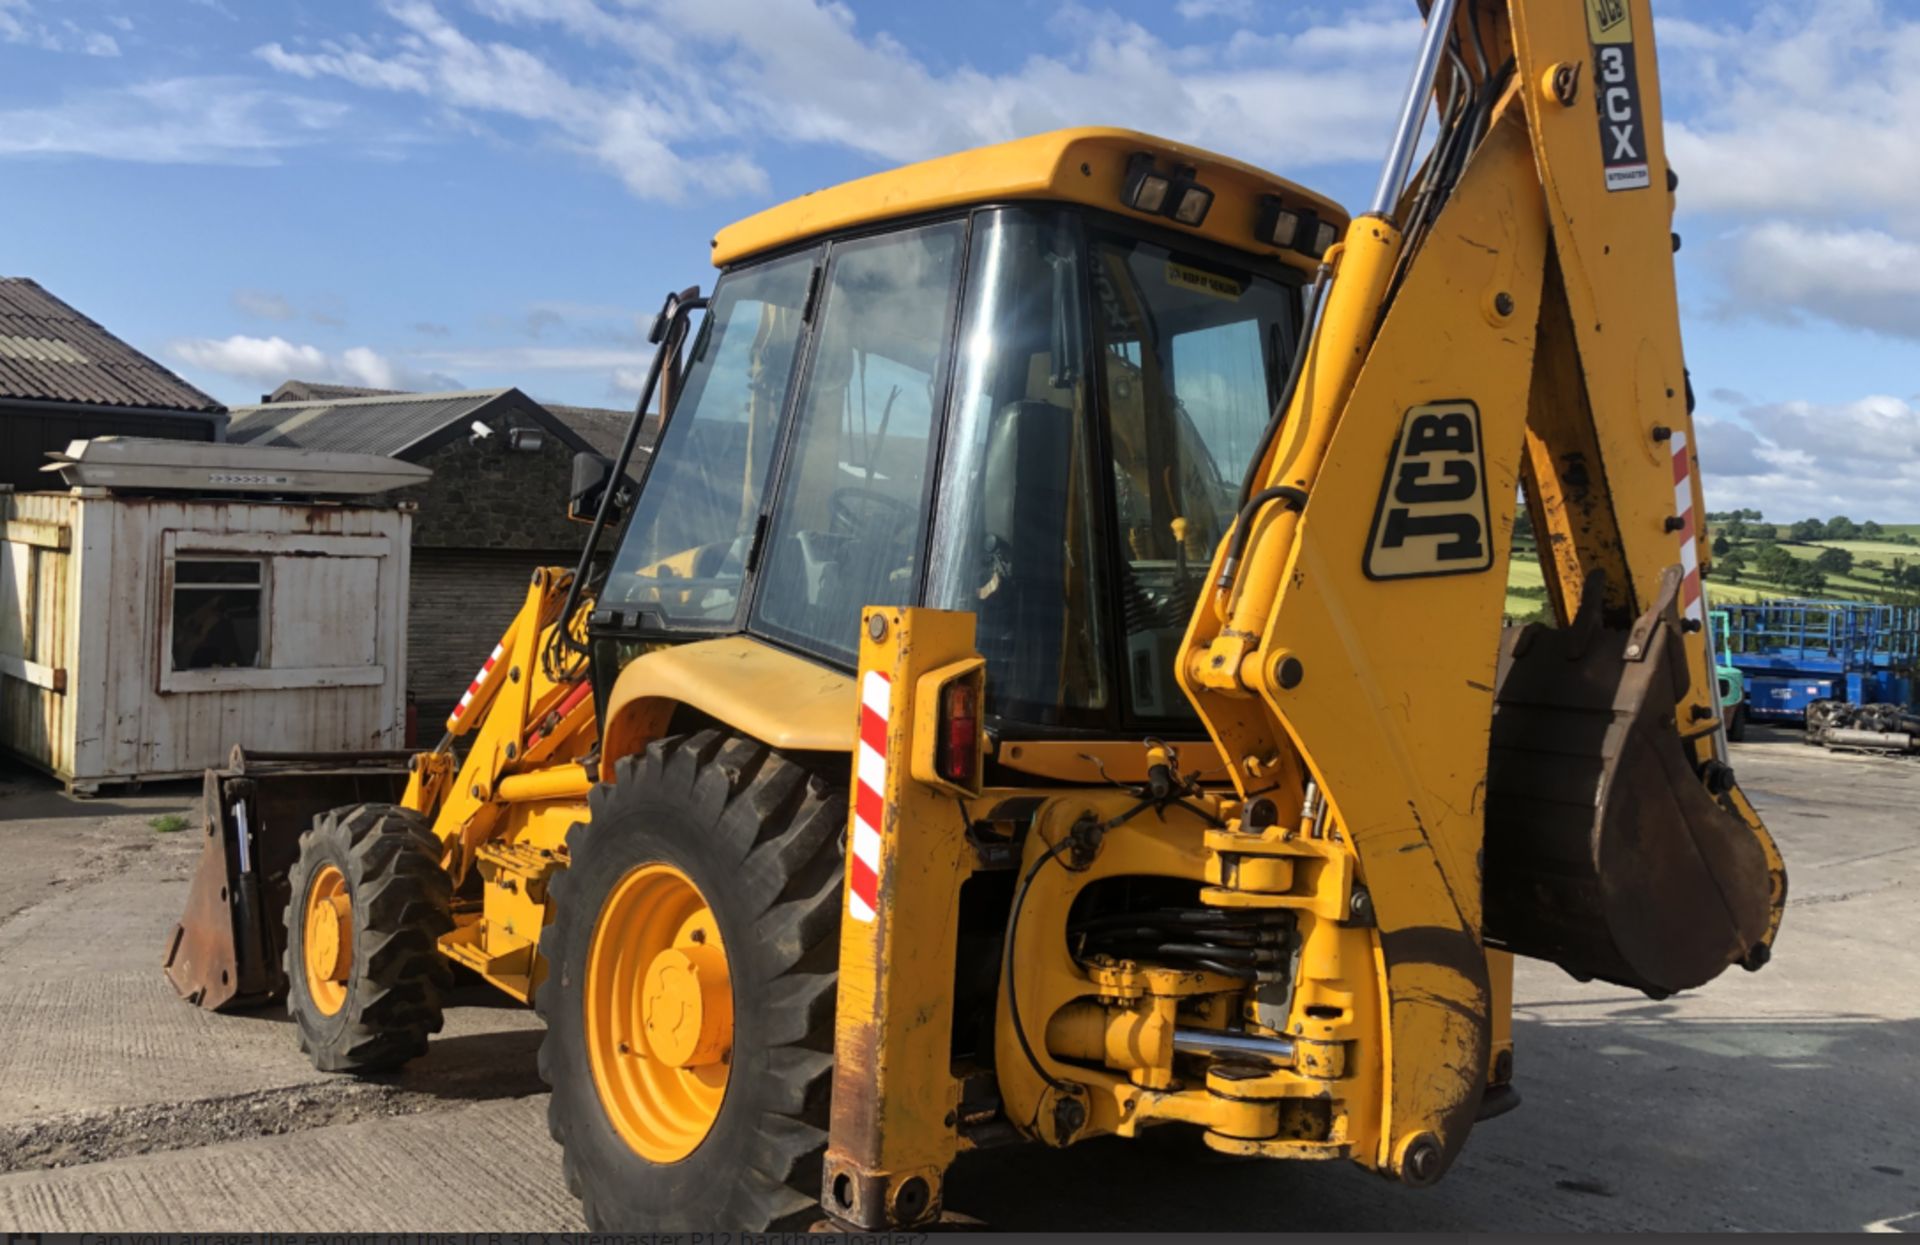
(1866,278)
(212,120)
(1790,127)
(269,360)
(1790,459)
(254,358)
(538,358)
(20,24)
(264,304)
(1801,109)
(350,64)
(626,131)
(1231,10)
(628,381)
(708,79)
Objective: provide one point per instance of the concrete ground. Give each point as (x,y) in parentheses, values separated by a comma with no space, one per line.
(1789,1099)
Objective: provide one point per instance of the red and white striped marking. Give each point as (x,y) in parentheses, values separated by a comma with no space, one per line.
(473,688)
(1692,597)
(869,797)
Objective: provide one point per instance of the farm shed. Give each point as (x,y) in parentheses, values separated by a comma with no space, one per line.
(64,378)
(144,634)
(493,512)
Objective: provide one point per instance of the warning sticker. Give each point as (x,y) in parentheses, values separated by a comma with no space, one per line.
(1616,95)
(1432,515)
(1202,281)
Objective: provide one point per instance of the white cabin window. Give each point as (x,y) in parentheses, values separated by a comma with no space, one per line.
(271,611)
(218,607)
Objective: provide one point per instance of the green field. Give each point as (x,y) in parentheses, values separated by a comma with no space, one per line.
(1526,583)
(1885,551)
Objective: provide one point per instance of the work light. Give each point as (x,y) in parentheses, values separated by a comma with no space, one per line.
(1292,229)
(1191,207)
(1145,190)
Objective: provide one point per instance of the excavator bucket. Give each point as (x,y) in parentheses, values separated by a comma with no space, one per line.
(1606,852)
(225,953)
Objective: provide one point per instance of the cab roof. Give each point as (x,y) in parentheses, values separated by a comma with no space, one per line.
(1084,165)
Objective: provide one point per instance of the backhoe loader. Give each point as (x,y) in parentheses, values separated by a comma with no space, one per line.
(1049,680)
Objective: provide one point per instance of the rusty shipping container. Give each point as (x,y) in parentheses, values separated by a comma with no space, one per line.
(143,637)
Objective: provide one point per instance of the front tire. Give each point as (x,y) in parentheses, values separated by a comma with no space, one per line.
(365,977)
(691,970)
(1737,723)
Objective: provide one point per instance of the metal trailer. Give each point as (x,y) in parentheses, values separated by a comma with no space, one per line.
(1795,654)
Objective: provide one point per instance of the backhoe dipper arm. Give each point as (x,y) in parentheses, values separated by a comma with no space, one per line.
(1507,317)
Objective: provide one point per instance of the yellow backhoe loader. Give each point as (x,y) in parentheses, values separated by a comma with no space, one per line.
(1050,681)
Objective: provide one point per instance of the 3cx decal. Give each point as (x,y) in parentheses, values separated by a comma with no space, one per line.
(1623,127)
(1432,514)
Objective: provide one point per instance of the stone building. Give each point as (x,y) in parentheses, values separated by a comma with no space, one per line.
(493,510)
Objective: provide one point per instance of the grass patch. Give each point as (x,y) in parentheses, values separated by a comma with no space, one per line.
(168,823)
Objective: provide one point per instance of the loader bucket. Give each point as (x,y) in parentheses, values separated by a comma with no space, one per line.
(1606,853)
(225,953)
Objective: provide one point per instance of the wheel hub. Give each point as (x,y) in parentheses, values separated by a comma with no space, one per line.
(659,1012)
(330,933)
(327,939)
(687,1006)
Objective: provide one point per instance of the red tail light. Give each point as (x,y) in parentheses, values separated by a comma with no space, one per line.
(960,744)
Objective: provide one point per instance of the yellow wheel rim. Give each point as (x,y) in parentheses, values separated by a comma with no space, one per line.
(659,1013)
(327,938)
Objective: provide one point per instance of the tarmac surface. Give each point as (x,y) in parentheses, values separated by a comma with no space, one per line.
(1787,1099)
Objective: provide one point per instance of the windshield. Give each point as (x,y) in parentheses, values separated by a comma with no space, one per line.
(685,550)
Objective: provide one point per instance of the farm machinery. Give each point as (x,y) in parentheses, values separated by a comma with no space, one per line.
(1049,680)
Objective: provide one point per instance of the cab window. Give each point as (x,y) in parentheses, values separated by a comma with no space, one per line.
(1189,352)
(684,554)
(850,514)
(1020,506)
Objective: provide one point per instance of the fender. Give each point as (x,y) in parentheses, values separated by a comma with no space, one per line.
(767,693)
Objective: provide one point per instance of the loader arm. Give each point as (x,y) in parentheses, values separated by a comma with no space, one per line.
(1508,320)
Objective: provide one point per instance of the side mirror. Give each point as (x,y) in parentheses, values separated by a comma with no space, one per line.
(590,473)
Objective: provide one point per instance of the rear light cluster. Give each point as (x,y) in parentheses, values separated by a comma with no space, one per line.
(960,732)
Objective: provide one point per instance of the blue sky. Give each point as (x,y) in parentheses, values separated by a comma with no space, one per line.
(484,192)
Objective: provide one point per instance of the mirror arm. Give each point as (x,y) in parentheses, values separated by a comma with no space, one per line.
(668,329)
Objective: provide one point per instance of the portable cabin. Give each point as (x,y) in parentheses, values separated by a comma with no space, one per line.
(177,599)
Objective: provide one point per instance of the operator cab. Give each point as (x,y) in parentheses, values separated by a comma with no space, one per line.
(1029,390)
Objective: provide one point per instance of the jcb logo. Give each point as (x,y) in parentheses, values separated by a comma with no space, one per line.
(1432,515)
(1604,16)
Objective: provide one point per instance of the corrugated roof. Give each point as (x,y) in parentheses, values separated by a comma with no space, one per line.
(51,353)
(320,391)
(602,428)
(382,425)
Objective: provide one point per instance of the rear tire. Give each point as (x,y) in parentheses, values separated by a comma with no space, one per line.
(384,862)
(759,838)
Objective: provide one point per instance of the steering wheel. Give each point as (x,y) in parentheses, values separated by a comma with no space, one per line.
(855,510)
